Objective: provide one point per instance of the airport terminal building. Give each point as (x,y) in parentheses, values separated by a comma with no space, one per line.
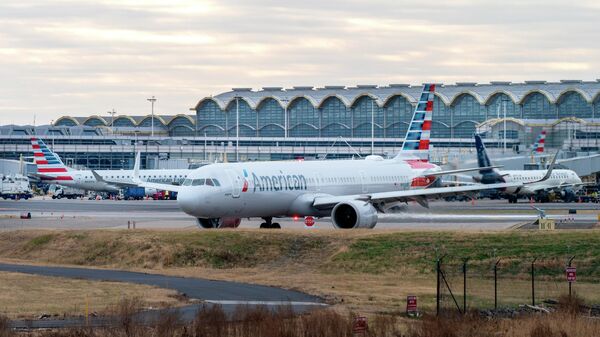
(337,121)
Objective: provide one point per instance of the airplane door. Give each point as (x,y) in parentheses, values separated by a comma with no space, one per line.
(318,182)
(236,183)
(363,182)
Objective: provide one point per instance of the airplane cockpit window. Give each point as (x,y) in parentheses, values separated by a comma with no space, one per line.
(209,182)
(187,182)
(217,183)
(197,182)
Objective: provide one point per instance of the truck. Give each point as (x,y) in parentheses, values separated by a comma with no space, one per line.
(15,187)
(59,192)
(134,193)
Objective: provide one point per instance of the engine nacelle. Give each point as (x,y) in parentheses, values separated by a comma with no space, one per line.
(219,223)
(354,214)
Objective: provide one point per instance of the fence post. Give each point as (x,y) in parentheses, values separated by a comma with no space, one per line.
(533,281)
(569,265)
(438,290)
(496,285)
(465,285)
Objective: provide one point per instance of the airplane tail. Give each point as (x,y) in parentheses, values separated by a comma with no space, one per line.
(48,163)
(488,174)
(538,147)
(416,141)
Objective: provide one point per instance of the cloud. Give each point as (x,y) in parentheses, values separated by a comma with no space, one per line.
(87,57)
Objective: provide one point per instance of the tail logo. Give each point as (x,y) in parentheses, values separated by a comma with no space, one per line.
(245,186)
(416,142)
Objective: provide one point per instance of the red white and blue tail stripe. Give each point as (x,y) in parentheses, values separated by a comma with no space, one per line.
(538,147)
(49,165)
(416,142)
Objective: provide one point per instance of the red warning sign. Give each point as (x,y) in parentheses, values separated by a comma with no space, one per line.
(571,274)
(411,303)
(360,324)
(309,221)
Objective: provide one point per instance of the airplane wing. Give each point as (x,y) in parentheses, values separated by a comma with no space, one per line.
(451,172)
(419,195)
(145,184)
(117,184)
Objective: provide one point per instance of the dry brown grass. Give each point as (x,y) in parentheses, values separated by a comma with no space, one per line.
(306,261)
(28,296)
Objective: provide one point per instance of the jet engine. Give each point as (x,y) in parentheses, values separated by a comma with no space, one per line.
(219,223)
(568,195)
(354,214)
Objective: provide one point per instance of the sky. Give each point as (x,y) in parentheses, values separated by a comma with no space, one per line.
(80,58)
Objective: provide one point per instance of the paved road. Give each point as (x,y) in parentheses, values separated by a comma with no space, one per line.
(91,214)
(226,294)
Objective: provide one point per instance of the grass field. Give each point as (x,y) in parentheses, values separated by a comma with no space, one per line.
(359,270)
(28,296)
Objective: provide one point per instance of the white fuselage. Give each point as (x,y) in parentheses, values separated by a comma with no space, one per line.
(270,189)
(85,180)
(557,178)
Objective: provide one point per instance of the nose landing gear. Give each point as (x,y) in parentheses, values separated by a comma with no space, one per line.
(270,224)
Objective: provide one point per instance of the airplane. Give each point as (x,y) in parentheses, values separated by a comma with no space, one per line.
(565,182)
(52,170)
(351,192)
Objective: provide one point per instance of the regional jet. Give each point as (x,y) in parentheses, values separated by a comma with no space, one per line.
(351,192)
(52,170)
(565,182)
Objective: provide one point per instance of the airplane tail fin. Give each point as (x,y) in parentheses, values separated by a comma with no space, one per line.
(47,162)
(416,141)
(489,174)
(538,147)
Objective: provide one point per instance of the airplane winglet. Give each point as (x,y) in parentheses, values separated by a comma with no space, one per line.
(136,167)
(98,177)
(549,171)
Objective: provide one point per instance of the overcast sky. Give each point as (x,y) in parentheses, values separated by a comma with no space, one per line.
(87,57)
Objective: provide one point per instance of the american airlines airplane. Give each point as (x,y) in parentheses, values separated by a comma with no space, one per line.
(352,192)
(564,182)
(52,170)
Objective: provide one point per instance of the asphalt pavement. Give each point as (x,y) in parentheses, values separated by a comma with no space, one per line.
(228,295)
(165,214)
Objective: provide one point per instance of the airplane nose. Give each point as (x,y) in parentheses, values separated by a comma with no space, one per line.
(188,201)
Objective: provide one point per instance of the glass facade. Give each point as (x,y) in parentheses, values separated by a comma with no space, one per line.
(537,106)
(572,104)
(336,118)
(365,108)
(270,118)
(398,113)
(304,119)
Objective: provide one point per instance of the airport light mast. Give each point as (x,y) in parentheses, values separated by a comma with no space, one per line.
(372,126)
(285,117)
(152,100)
(237,128)
(112,120)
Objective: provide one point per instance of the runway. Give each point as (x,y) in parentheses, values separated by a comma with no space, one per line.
(227,294)
(151,214)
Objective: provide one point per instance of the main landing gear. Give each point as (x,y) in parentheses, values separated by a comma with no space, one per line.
(270,224)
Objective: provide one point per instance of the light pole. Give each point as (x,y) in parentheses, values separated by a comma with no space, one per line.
(237,128)
(152,100)
(285,117)
(504,108)
(112,120)
(372,126)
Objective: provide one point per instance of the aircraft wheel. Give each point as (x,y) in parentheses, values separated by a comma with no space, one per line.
(276,225)
(264,225)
